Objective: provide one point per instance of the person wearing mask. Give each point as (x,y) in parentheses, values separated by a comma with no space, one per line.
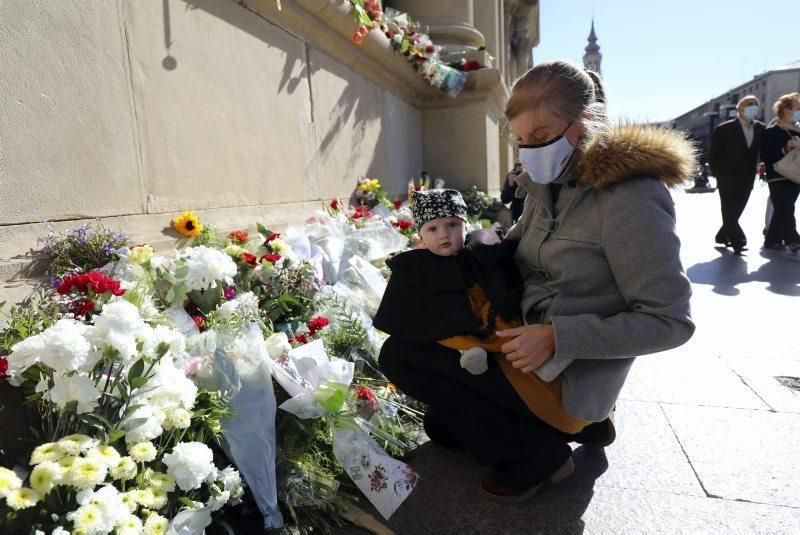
(733,158)
(507,195)
(602,283)
(778,140)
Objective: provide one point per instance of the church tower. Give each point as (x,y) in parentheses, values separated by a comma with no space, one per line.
(593,57)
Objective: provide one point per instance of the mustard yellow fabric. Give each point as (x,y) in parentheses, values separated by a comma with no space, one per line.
(542,398)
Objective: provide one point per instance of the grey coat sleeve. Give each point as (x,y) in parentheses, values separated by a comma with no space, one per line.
(643,251)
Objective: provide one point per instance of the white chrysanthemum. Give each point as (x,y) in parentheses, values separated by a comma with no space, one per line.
(143,424)
(280,246)
(129,500)
(155,525)
(124,470)
(60,531)
(141,496)
(177,418)
(110,503)
(8,481)
(159,480)
(87,519)
(154,499)
(129,525)
(119,326)
(206,267)
(105,454)
(22,498)
(77,443)
(45,476)
(278,345)
(87,473)
(142,452)
(48,451)
(218,499)
(234,250)
(63,347)
(190,463)
(75,388)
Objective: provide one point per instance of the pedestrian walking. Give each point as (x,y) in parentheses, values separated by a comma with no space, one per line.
(778,140)
(733,157)
(602,283)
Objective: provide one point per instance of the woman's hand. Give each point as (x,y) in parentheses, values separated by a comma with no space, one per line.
(530,345)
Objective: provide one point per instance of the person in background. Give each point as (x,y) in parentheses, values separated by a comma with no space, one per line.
(779,139)
(733,157)
(507,195)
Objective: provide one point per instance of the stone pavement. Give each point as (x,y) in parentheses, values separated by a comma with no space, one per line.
(708,439)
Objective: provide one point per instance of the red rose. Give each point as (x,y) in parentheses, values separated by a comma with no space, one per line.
(3,367)
(362,212)
(403,224)
(365,393)
(398,203)
(84,307)
(199,321)
(335,204)
(316,324)
(270,257)
(238,236)
(249,258)
(299,339)
(273,236)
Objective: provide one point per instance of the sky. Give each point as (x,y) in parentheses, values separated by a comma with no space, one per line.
(663,58)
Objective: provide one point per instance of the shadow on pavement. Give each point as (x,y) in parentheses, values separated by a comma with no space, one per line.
(447,498)
(781,272)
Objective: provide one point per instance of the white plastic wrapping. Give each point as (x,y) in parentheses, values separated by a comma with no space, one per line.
(190,522)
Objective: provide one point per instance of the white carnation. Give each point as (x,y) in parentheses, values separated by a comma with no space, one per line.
(227,309)
(218,500)
(75,388)
(161,334)
(278,345)
(190,464)
(63,347)
(119,326)
(143,424)
(169,387)
(206,266)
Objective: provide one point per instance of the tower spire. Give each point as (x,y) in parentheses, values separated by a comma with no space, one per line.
(593,57)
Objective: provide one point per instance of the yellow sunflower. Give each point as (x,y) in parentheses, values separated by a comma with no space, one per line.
(187,224)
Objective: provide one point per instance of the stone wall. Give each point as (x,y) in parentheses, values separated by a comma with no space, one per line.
(131,111)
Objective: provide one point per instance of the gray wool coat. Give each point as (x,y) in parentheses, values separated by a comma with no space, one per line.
(602,264)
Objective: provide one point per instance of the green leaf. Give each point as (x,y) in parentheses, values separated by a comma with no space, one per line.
(138,382)
(363,16)
(115,435)
(264,231)
(136,370)
(182,272)
(187,502)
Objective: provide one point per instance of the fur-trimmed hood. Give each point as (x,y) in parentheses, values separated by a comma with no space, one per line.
(631,151)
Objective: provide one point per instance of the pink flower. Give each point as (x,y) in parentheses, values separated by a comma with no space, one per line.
(191,366)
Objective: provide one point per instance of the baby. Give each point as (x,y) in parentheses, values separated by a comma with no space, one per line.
(456,291)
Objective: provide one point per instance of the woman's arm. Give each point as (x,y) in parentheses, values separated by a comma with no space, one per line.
(643,251)
(773,145)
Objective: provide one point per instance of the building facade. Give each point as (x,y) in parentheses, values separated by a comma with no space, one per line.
(768,87)
(249,110)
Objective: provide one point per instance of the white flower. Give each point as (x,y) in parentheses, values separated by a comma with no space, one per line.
(190,463)
(77,443)
(63,347)
(109,502)
(142,452)
(129,525)
(162,334)
(217,501)
(155,525)
(45,476)
(206,267)
(231,481)
(159,481)
(169,387)
(60,531)
(8,481)
(177,418)
(227,309)
(234,250)
(143,424)
(105,454)
(279,246)
(22,498)
(88,519)
(124,470)
(75,388)
(86,473)
(119,326)
(278,345)
(49,451)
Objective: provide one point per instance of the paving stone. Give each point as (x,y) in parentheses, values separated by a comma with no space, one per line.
(761,375)
(646,454)
(742,454)
(685,376)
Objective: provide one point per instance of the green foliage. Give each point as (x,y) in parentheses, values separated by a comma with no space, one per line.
(347,335)
(210,237)
(33,316)
(478,202)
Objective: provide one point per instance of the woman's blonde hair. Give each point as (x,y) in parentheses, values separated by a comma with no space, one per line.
(560,88)
(784,103)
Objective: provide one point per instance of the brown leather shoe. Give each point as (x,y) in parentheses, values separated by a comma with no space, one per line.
(498,493)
